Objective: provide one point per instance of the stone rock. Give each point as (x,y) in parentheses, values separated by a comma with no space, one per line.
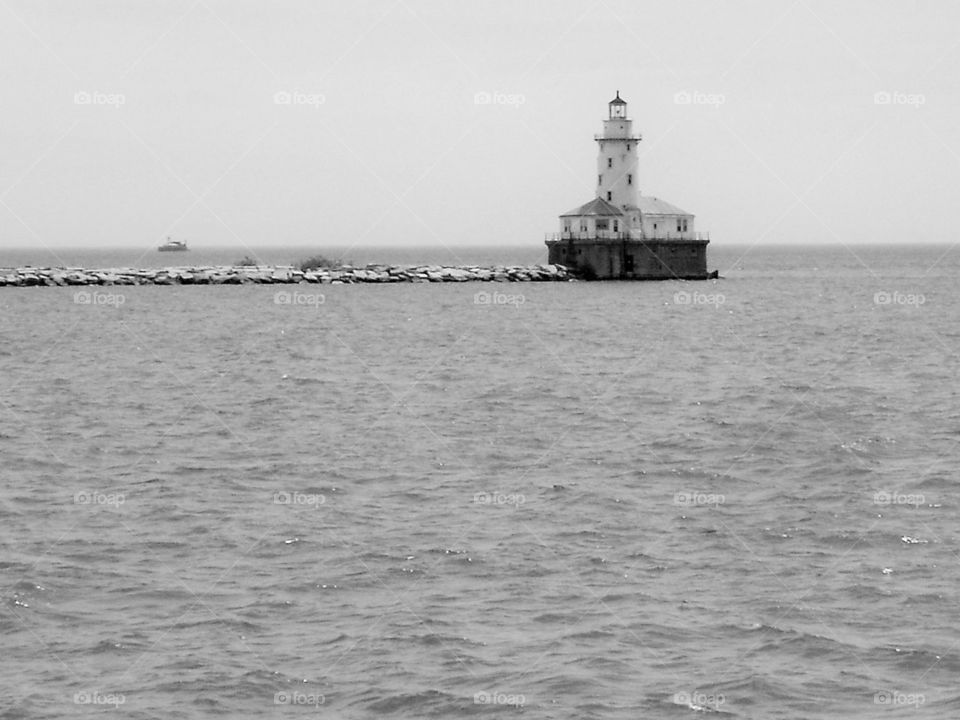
(230,275)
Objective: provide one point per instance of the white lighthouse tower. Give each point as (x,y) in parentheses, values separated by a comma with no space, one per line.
(617,158)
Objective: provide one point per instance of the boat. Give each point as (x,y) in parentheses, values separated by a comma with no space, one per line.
(173,246)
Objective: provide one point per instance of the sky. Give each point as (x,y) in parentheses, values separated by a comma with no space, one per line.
(434,122)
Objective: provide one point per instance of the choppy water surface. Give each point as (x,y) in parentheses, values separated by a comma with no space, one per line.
(593,500)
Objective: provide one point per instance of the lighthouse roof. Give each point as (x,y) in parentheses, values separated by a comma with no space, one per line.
(655,206)
(597,206)
(618,100)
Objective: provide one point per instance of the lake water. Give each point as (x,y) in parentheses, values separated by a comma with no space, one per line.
(278,255)
(578,500)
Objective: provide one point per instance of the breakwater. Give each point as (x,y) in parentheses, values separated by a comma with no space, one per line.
(281,274)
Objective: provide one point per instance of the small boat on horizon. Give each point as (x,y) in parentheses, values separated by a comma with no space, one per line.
(173,246)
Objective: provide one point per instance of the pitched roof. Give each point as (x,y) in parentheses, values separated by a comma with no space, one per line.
(656,206)
(597,206)
(618,100)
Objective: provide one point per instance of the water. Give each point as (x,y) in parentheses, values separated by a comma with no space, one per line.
(140,257)
(610,500)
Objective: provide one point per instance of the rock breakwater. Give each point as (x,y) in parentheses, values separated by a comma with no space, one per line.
(281,274)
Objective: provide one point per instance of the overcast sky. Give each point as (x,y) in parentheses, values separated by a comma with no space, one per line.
(234,122)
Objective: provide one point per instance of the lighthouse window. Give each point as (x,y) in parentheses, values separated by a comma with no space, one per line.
(629,179)
(599,179)
(679,225)
(609,162)
(628,147)
(609,195)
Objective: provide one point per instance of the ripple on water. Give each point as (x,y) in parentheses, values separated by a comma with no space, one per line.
(401,595)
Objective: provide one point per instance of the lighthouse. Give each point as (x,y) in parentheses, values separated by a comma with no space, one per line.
(622,234)
(617,157)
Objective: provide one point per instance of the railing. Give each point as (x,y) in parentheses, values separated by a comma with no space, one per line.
(632,138)
(625,235)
